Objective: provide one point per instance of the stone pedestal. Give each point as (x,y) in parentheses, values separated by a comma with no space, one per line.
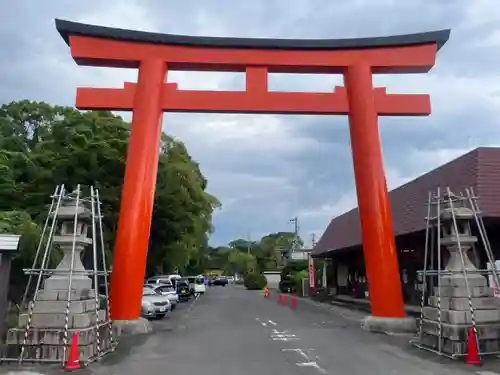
(456,316)
(46,332)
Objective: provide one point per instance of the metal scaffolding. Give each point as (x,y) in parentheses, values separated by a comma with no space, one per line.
(40,272)
(463,216)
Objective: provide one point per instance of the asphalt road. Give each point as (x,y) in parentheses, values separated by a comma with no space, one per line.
(232,331)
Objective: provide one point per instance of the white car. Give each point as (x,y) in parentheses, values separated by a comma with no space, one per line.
(197,284)
(154,305)
(166,290)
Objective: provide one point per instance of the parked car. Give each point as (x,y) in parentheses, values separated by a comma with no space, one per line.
(183,289)
(162,279)
(154,305)
(197,284)
(166,290)
(220,280)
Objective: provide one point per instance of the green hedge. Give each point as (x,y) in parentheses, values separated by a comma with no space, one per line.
(255,281)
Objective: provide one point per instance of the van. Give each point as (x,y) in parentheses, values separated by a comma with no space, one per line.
(197,284)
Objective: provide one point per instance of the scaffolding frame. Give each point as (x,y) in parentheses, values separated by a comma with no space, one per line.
(432,251)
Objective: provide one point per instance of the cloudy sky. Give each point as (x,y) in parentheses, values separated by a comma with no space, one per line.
(266,169)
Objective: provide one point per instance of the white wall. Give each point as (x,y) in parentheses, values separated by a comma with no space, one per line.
(273,278)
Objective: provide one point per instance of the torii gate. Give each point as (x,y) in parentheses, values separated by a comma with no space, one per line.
(155,54)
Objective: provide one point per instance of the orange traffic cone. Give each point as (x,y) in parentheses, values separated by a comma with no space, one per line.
(73,361)
(472,352)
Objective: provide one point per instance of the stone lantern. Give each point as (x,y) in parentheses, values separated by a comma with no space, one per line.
(65,239)
(55,315)
(459,245)
(462,298)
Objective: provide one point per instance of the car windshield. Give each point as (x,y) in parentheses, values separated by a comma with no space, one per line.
(182,282)
(200,280)
(148,286)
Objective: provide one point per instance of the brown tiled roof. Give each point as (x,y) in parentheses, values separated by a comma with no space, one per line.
(479,169)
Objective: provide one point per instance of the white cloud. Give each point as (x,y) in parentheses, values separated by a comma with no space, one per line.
(267,168)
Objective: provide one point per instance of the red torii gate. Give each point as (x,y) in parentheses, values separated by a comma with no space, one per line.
(156,54)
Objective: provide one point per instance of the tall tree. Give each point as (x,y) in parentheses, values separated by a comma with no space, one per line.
(43,145)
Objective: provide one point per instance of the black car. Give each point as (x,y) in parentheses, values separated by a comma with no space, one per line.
(220,280)
(183,289)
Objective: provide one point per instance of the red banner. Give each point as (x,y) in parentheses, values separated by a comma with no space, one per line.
(312,273)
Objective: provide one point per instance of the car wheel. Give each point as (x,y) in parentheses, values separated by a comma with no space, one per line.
(173,307)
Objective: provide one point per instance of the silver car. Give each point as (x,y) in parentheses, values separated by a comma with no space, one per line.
(154,305)
(166,290)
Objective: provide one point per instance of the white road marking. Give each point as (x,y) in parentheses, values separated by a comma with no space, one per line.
(283,336)
(261,322)
(486,373)
(312,364)
(273,323)
(300,351)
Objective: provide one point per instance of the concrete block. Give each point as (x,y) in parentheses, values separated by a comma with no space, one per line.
(389,325)
(76,307)
(58,320)
(51,336)
(61,283)
(461,317)
(62,295)
(458,348)
(486,331)
(449,291)
(474,280)
(132,327)
(462,303)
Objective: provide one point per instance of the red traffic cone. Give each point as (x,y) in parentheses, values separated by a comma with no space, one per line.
(73,362)
(280,298)
(293,305)
(472,352)
(285,300)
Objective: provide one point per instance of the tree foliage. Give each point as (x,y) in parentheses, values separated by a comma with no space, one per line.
(42,146)
(242,256)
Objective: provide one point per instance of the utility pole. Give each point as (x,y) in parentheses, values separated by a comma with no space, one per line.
(313,240)
(249,243)
(295,222)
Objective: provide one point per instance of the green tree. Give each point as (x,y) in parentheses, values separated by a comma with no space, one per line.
(241,263)
(43,145)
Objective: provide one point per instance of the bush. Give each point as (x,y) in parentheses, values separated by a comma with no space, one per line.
(255,281)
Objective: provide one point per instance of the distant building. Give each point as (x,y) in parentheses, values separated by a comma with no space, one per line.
(342,243)
(301,254)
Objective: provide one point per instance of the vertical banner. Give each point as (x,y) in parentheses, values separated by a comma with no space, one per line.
(312,276)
